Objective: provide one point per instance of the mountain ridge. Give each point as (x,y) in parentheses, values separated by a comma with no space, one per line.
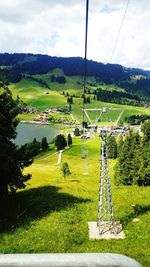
(133,80)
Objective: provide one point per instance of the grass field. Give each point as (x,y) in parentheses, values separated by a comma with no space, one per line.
(74,82)
(33,94)
(54,213)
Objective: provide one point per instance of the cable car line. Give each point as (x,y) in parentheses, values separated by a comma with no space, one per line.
(119,32)
(141,60)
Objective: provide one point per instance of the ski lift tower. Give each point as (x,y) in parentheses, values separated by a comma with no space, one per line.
(100,111)
(106,227)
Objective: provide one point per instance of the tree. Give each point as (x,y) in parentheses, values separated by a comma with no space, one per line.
(70,100)
(65,170)
(85,124)
(61,79)
(12,158)
(144,172)
(88,100)
(76,132)
(129,160)
(112,147)
(69,108)
(60,142)
(44,144)
(32,149)
(53,78)
(69,140)
(34,140)
(146,131)
(120,144)
(123,167)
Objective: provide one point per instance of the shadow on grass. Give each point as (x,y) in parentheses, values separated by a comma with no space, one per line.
(137,210)
(29,205)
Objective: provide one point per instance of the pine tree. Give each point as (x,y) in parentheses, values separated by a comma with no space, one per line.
(76,132)
(133,166)
(44,144)
(146,131)
(60,142)
(144,172)
(120,144)
(65,170)
(70,100)
(112,147)
(53,78)
(12,158)
(34,141)
(88,100)
(69,140)
(122,175)
(136,157)
(129,160)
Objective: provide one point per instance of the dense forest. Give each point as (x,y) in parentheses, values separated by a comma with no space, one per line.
(118,97)
(133,165)
(137,119)
(12,66)
(142,86)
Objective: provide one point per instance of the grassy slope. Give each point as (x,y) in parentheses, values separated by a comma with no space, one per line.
(32,94)
(57,212)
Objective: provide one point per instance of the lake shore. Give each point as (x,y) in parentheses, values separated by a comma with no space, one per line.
(53,125)
(28,130)
(35,122)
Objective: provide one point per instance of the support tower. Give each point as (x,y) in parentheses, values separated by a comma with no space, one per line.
(106,222)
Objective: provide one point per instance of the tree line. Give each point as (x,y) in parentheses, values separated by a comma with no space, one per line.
(133,152)
(141,86)
(137,119)
(58,79)
(38,80)
(13,65)
(118,97)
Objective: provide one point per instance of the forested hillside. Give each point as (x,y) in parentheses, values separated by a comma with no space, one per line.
(134,81)
(133,166)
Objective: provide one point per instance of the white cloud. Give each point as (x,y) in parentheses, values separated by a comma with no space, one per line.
(57,28)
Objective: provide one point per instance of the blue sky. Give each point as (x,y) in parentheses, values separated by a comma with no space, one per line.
(56,27)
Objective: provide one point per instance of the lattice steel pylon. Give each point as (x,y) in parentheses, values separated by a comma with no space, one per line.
(106,222)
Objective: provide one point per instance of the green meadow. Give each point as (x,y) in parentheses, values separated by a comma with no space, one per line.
(53,214)
(34,95)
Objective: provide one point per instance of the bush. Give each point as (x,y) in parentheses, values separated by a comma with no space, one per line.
(65,170)
(60,142)
(76,132)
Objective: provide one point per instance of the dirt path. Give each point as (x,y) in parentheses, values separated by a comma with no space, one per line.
(59,157)
(118,119)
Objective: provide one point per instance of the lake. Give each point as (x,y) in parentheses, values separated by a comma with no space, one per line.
(27,131)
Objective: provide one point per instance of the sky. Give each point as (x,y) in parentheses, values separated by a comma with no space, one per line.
(57,28)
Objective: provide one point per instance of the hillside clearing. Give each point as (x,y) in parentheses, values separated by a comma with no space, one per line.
(55,210)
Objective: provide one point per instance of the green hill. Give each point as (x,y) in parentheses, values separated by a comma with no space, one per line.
(33,94)
(133,81)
